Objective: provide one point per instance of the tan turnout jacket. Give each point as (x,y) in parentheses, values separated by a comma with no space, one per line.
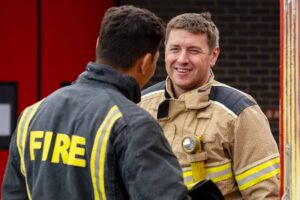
(242,155)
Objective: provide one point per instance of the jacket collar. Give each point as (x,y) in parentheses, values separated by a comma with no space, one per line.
(194,99)
(101,73)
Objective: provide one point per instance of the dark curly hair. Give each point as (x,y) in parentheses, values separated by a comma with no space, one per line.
(127,33)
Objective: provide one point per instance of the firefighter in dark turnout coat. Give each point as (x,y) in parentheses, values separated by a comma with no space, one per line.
(90,140)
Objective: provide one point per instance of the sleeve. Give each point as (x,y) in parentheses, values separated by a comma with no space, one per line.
(148,167)
(13,186)
(255,156)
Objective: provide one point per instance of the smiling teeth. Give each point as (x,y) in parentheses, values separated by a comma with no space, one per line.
(182,70)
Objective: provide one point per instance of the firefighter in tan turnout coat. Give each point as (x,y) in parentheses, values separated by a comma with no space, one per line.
(238,150)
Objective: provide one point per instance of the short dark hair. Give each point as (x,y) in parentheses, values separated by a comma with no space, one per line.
(126,34)
(196,23)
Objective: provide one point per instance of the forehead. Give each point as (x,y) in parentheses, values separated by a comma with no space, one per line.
(181,36)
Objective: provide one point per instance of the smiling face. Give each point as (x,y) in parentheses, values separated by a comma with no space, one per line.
(188,60)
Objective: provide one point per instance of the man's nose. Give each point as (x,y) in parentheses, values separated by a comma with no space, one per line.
(183,57)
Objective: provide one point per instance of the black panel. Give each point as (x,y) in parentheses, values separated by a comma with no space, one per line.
(8,112)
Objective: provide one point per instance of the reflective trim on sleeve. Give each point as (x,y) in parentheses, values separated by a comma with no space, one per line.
(99,152)
(258,174)
(22,131)
(219,173)
(187,175)
(216,174)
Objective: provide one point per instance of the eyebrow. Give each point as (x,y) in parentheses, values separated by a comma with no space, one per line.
(175,44)
(189,47)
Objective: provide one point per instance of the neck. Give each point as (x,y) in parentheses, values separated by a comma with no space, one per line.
(177,91)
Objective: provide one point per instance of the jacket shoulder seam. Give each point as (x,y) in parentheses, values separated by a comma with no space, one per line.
(233,99)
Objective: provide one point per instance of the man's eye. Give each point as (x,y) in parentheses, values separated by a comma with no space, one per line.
(194,51)
(174,50)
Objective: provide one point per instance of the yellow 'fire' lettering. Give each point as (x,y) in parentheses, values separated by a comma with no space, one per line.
(69,151)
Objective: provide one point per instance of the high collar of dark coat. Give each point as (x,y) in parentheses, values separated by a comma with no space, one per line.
(101,73)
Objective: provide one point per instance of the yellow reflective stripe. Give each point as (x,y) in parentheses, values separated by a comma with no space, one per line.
(222,178)
(22,136)
(188,183)
(259,179)
(258,174)
(257,168)
(190,186)
(19,137)
(219,173)
(187,173)
(103,152)
(99,152)
(219,168)
(187,177)
(216,174)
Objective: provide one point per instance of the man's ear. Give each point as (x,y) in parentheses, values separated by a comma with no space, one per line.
(141,70)
(146,63)
(214,57)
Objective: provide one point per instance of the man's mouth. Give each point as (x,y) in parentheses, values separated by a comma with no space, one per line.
(183,70)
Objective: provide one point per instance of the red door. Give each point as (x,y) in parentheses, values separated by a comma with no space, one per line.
(44,45)
(69,31)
